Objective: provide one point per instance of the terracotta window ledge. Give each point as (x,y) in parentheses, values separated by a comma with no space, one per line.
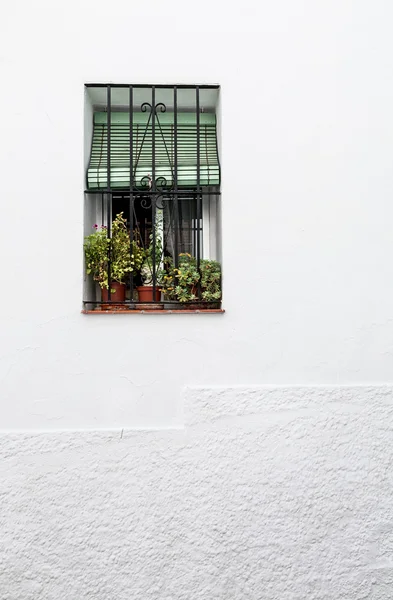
(202,311)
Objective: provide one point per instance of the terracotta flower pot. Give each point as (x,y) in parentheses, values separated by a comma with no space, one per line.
(119,295)
(145,293)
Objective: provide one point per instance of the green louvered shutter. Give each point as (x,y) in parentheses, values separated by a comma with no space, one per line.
(164,150)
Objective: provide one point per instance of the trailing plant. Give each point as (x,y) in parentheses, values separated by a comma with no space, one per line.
(99,247)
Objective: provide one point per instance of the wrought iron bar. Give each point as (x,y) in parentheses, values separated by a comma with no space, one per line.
(149,192)
(108,176)
(199,203)
(162,108)
(144,108)
(153,139)
(213,86)
(131,99)
(153,187)
(116,302)
(191,217)
(218,137)
(153,258)
(175,200)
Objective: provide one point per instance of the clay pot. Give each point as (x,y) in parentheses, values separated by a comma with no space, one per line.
(119,295)
(145,294)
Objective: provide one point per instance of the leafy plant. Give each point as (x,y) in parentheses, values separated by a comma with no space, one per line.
(155,249)
(169,279)
(210,280)
(99,248)
(122,260)
(96,247)
(181,283)
(186,277)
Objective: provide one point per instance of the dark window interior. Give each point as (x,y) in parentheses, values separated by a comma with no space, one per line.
(143,219)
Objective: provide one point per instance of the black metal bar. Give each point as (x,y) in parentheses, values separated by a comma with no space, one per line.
(131,189)
(108,181)
(153,224)
(176,199)
(153,139)
(108,231)
(163,109)
(144,105)
(193,228)
(153,187)
(124,303)
(213,86)
(181,227)
(218,144)
(199,199)
(192,217)
(147,192)
(102,208)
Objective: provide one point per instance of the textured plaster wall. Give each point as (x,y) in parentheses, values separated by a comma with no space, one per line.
(266,493)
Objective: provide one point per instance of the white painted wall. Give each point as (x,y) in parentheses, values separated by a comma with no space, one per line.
(306,245)
(267,493)
(307,265)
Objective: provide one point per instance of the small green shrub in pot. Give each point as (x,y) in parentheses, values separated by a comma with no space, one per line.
(210,280)
(123,262)
(181,283)
(186,278)
(168,279)
(98,247)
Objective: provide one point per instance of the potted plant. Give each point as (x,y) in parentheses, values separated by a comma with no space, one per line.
(146,290)
(169,284)
(99,248)
(210,281)
(181,284)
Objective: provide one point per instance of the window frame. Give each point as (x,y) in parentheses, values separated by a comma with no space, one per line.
(154,188)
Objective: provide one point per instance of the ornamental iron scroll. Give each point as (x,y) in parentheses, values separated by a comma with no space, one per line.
(160,183)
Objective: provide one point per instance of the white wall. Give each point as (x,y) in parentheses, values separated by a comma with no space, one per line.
(306,246)
(307,189)
(267,493)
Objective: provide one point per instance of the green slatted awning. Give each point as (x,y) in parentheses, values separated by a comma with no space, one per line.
(164,149)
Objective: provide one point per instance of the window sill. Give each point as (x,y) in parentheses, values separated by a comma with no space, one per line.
(201,311)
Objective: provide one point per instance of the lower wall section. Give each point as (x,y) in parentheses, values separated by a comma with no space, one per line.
(267,492)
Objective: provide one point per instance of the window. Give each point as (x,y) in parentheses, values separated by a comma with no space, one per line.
(152,198)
